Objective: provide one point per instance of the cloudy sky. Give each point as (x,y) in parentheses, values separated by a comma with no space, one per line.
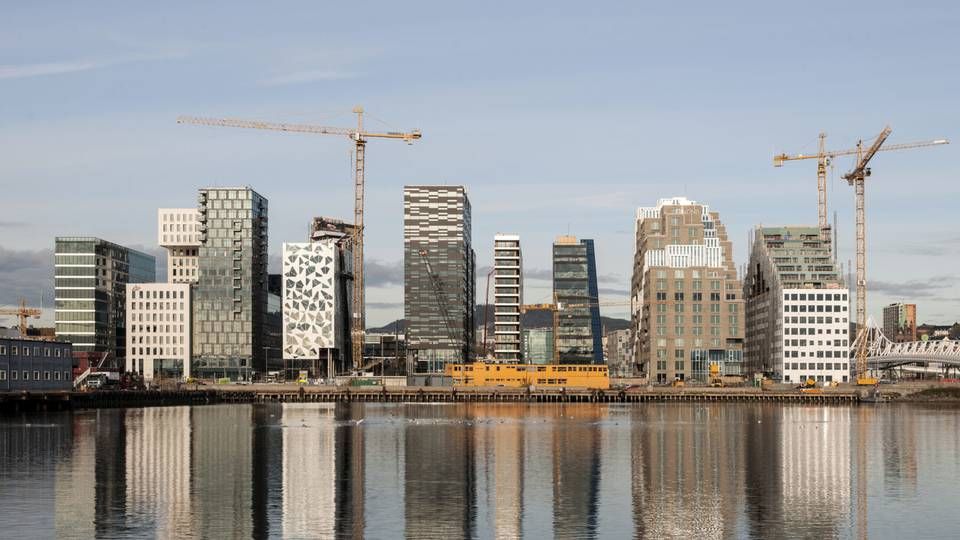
(557,118)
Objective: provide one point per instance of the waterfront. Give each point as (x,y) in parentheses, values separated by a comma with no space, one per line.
(482,470)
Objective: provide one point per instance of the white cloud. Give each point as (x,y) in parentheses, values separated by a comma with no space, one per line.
(24,71)
(298,77)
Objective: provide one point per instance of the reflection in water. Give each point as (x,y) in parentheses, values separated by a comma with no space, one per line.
(479,470)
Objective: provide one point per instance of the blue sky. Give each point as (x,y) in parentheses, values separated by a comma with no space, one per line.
(556,117)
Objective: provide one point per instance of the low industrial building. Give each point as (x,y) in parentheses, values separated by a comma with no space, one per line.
(35,365)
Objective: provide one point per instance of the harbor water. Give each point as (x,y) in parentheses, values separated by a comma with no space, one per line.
(483,470)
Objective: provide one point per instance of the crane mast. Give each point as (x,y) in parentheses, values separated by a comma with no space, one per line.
(359,137)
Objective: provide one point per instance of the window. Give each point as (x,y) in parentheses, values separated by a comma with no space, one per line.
(57,375)
(3,350)
(13,375)
(46,375)
(678,296)
(3,375)
(26,351)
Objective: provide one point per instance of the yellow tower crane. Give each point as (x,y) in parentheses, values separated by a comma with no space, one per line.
(22,312)
(825,157)
(556,307)
(359,137)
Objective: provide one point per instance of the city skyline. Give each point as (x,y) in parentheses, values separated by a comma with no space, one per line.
(93,130)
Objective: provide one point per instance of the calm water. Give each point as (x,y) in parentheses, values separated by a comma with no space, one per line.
(458,470)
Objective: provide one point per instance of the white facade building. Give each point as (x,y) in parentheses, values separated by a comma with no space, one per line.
(179,230)
(815,327)
(158,330)
(311,299)
(508,297)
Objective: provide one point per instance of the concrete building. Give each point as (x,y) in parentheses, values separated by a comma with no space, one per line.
(437,231)
(797,309)
(687,300)
(579,339)
(900,322)
(618,350)
(178,231)
(90,279)
(35,365)
(538,345)
(230,296)
(508,297)
(158,330)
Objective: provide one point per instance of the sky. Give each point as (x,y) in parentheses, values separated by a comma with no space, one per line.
(559,117)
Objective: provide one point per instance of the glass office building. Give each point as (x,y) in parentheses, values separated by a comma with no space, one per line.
(576,293)
(230,298)
(90,278)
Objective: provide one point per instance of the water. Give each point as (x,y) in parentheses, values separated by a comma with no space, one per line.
(483,470)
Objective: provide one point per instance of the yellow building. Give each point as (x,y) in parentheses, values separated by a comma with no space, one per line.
(535,375)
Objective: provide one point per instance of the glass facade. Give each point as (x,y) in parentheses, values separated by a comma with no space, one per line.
(575,288)
(230,298)
(90,277)
(437,230)
(538,346)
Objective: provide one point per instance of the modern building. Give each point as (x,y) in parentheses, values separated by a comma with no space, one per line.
(316,305)
(538,345)
(687,300)
(579,339)
(797,308)
(438,276)
(178,231)
(230,295)
(90,279)
(35,365)
(158,330)
(900,322)
(507,297)
(618,349)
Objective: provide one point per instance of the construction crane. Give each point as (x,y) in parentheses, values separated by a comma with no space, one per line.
(359,137)
(440,296)
(556,307)
(22,312)
(825,157)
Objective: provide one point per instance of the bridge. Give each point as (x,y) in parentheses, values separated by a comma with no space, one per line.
(885,354)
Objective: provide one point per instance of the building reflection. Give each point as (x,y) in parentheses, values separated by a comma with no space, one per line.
(439,480)
(498,431)
(686,470)
(309,470)
(576,470)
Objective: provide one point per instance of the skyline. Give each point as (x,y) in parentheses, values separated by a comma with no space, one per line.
(642,103)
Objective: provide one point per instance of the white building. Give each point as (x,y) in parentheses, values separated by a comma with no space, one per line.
(178,230)
(158,330)
(508,297)
(797,307)
(315,301)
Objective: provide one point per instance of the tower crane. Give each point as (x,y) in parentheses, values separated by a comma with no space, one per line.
(359,137)
(825,157)
(441,298)
(856,178)
(556,307)
(22,312)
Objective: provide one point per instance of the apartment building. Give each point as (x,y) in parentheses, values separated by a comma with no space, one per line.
(508,297)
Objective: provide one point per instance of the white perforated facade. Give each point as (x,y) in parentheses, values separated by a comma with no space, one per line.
(312,321)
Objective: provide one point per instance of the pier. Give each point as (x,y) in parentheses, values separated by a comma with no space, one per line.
(52,401)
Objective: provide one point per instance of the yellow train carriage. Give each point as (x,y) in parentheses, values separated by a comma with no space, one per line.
(535,375)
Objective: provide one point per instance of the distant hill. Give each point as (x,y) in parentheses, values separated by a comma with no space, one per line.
(531,319)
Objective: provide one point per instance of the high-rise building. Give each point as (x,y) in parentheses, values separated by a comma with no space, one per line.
(687,300)
(91,276)
(158,330)
(538,345)
(508,297)
(439,308)
(900,322)
(317,303)
(618,347)
(230,296)
(578,339)
(178,231)
(796,307)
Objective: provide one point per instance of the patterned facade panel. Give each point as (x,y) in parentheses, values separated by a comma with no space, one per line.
(309,299)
